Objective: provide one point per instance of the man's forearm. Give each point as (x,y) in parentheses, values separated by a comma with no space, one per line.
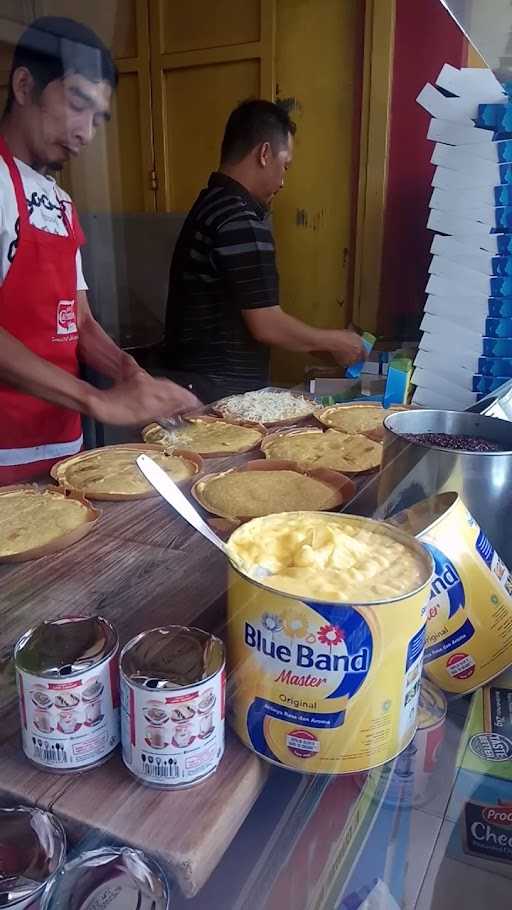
(277,328)
(24,370)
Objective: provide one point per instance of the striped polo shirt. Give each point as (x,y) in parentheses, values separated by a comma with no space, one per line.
(223,263)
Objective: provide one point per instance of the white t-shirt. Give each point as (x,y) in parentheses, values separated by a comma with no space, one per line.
(44,200)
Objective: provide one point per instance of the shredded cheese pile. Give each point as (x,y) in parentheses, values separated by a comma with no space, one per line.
(267,407)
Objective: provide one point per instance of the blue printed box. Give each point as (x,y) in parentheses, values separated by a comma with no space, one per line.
(485,384)
(497,347)
(495,116)
(504,244)
(495,366)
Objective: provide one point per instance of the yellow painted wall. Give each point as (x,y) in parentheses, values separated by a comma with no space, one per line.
(317,65)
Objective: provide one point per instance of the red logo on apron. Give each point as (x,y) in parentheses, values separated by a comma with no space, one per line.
(66,319)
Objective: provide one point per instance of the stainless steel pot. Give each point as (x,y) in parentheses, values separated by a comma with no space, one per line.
(414,471)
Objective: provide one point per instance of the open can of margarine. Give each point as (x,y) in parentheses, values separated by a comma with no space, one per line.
(326,630)
(32,851)
(67,677)
(469,629)
(117,878)
(172,698)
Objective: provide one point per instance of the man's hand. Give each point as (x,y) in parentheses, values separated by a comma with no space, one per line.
(348,348)
(139,399)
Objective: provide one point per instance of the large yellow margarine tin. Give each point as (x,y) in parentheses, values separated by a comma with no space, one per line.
(469,629)
(320,685)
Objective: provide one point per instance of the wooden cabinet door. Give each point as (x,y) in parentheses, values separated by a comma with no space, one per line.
(205,58)
(116,172)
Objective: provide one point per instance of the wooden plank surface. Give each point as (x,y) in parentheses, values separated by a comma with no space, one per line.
(141,567)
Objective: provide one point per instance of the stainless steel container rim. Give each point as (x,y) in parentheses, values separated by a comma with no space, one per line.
(103,855)
(167,629)
(53,672)
(404,416)
(404,537)
(58,829)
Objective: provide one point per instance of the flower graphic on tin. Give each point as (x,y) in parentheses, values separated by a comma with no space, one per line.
(272,622)
(330,635)
(295,625)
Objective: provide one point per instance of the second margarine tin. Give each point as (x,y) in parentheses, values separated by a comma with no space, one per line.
(469,629)
(323,685)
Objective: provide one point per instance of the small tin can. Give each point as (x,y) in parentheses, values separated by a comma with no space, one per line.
(172,705)
(68,688)
(32,851)
(119,878)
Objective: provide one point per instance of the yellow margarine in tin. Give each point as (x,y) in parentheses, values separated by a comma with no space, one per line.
(327,646)
(469,629)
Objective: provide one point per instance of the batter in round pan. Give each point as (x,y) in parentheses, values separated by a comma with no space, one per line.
(362,418)
(249,494)
(31,518)
(113,470)
(205,437)
(331,449)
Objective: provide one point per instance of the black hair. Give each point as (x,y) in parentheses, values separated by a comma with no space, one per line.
(52,46)
(251,123)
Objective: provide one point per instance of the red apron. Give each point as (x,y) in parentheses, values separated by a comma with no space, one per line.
(38,306)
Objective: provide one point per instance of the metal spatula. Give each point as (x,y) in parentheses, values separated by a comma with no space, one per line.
(173,495)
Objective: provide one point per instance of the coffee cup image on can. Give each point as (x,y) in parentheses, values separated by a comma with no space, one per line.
(157,737)
(93,713)
(205,725)
(43,722)
(206,702)
(183,735)
(68,722)
(41,699)
(65,701)
(93,691)
(155,713)
(182,714)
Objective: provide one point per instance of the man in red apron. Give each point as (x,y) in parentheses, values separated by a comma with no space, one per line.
(61,84)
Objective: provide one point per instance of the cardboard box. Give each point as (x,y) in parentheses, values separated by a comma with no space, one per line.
(471,82)
(455,110)
(499,152)
(447,223)
(477,260)
(466,162)
(443,346)
(481,801)
(466,340)
(496,116)
(459,133)
(432,381)
(445,287)
(426,398)
(466,317)
(469,279)
(458,204)
(449,179)
(470,233)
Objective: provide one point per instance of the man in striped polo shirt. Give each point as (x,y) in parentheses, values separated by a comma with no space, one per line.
(223,312)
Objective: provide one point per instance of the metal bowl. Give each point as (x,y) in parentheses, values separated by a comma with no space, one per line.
(412,471)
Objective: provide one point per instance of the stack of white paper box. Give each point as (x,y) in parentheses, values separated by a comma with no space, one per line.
(466,345)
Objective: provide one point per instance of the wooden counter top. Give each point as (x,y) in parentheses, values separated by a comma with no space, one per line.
(141,567)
